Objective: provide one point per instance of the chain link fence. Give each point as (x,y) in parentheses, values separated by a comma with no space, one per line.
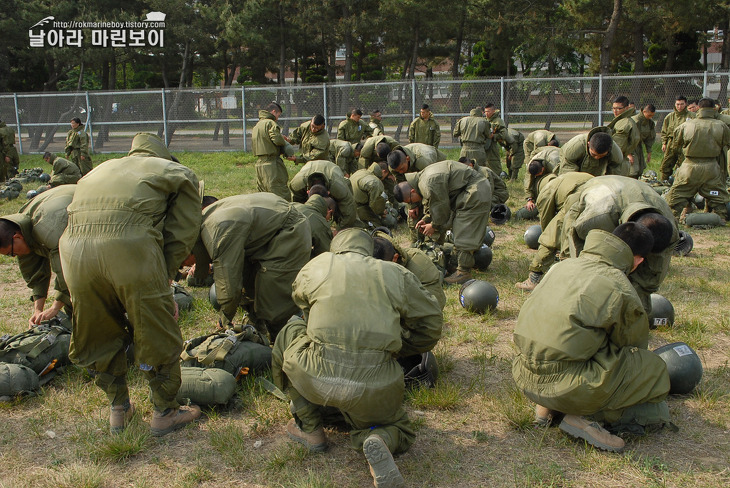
(220,119)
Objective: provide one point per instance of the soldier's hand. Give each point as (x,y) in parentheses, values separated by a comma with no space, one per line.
(176,314)
(631,159)
(413,212)
(530,205)
(7,159)
(648,158)
(664,147)
(83,158)
(424,228)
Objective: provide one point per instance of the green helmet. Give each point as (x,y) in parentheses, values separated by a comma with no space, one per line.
(420,370)
(45,177)
(662,312)
(482,257)
(478,296)
(213,297)
(532,234)
(684,244)
(500,214)
(683,365)
(489,237)
(524,214)
(31,194)
(503,175)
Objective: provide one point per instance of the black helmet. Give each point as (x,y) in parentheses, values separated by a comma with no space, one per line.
(683,365)
(670,179)
(420,370)
(500,214)
(213,297)
(478,296)
(662,312)
(482,258)
(30,195)
(181,296)
(684,244)
(532,234)
(489,237)
(45,177)
(503,175)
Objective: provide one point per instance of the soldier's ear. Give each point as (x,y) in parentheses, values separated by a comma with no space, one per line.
(396,256)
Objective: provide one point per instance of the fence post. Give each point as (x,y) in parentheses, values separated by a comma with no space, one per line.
(600,99)
(704,85)
(413,98)
(326,117)
(88,122)
(17,123)
(243,115)
(164,116)
(501,99)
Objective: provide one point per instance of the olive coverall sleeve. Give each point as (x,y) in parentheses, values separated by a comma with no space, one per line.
(421,318)
(182,221)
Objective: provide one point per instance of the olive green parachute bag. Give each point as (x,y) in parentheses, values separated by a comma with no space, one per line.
(43,348)
(16,379)
(206,386)
(236,352)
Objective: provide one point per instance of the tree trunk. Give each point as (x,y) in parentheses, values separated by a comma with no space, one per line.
(609,37)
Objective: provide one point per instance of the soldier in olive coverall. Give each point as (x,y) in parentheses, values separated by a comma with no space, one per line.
(312,139)
(352,129)
(499,133)
(582,339)
(131,224)
(257,243)
(319,212)
(547,160)
(536,140)
(624,132)
(647,135)
(702,141)
(551,192)
(473,132)
(605,202)
(9,159)
(454,197)
(334,180)
(268,143)
(376,123)
(343,353)
(344,155)
(672,156)
(77,146)
(425,129)
(367,190)
(514,153)
(369,152)
(37,228)
(595,153)
(500,192)
(64,171)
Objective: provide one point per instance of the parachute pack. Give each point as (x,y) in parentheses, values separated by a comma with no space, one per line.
(236,352)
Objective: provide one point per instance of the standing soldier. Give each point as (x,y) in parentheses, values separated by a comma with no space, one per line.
(702,139)
(9,159)
(473,132)
(256,243)
(515,154)
(425,129)
(376,123)
(312,139)
(625,133)
(64,171)
(77,146)
(538,139)
(595,153)
(32,234)
(131,225)
(673,157)
(352,129)
(454,197)
(647,136)
(268,143)
(498,133)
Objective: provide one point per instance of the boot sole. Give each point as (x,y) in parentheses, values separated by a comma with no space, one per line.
(385,471)
(579,433)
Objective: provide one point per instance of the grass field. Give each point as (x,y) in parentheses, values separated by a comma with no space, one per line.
(474,428)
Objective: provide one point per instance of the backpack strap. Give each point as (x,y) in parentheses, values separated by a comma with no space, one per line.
(192,344)
(47,341)
(219,352)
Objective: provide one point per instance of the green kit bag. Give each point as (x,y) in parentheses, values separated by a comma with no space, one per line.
(206,386)
(16,379)
(41,348)
(235,352)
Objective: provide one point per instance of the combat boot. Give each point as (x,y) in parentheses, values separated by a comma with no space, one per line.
(315,441)
(383,469)
(592,433)
(120,417)
(458,277)
(531,282)
(173,419)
